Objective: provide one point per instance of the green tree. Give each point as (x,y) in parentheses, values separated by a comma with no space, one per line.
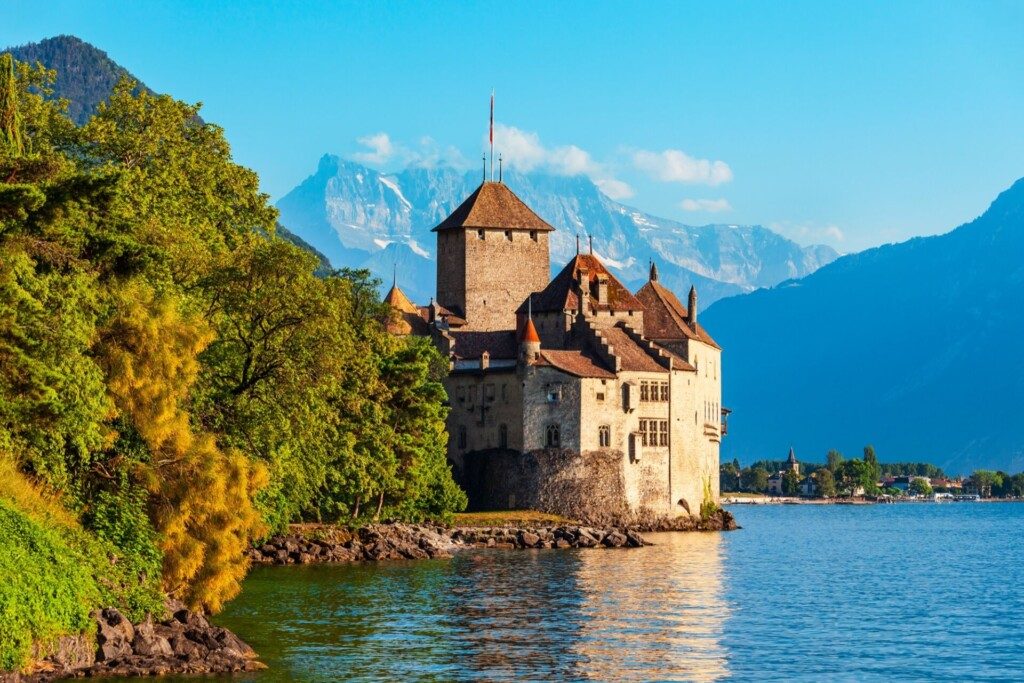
(985,481)
(834,459)
(756,479)
(874,471)
(826,482)
(729,477)
(791,483)
(920,487)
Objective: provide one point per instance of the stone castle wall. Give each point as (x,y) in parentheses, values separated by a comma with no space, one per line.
(487,274)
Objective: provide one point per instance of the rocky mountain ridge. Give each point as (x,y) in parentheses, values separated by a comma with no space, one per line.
(362,217)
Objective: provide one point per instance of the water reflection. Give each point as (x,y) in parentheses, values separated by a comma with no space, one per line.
(656,613)
(914,592)
(652,613)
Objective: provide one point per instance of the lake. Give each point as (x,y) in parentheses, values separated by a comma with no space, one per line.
(909,592)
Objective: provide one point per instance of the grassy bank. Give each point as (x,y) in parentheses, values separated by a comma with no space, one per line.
(55,573)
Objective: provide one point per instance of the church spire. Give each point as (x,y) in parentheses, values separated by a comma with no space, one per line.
(654,272)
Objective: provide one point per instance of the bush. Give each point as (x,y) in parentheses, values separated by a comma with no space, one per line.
(48,589)
(55,572)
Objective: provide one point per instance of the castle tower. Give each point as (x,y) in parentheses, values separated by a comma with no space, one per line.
(492,253)
(792,463)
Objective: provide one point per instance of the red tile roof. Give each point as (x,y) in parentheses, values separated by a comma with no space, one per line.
(493,205)
(634,357)
(530,332)
(397,299)
(575,363)
(560,294)
(665,316)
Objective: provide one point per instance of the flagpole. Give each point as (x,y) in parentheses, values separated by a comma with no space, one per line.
(492,135)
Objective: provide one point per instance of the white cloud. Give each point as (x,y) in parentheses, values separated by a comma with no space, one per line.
(381,149)
(615,189)
(810,233)
(706,205)
(675,166)
(524,151)
(835,233)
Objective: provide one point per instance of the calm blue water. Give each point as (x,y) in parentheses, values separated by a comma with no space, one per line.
(907,592)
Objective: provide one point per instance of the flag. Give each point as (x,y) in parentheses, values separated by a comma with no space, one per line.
(492,117)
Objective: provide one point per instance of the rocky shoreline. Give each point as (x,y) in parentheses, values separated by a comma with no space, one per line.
(414,541)
(322,544)
(186,643)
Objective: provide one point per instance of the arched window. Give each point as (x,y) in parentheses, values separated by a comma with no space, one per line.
(554,437)
(502,436)
(604,436)
(462,437)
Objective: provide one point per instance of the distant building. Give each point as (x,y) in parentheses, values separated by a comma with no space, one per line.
(775,481)
(809,487)
(570,394)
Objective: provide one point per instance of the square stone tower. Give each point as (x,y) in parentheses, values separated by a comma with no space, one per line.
(492,253)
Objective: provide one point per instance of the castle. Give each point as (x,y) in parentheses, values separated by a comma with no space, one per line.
(571,395)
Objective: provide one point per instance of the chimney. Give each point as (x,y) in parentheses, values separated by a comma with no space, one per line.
(602,288)
(485,360)
(691,313)
(583,287)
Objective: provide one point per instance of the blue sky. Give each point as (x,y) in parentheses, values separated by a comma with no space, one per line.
(852,124)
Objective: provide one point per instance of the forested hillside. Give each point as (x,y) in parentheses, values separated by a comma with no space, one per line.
(174,380)
(914,347)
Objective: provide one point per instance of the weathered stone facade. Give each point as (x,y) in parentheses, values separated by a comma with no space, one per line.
(573,395)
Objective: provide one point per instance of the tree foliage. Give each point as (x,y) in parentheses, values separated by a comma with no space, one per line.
(172,366)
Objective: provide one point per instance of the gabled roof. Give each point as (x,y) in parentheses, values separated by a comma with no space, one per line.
(560,294)
(665,316)
(493,205)
(634,358)
(576,363)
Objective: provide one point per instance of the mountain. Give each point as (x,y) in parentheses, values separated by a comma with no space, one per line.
(85,74)
(352,213)
(914,347)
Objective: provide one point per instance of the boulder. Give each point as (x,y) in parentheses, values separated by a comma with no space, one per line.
(615,540)
(529,539)
(148,643)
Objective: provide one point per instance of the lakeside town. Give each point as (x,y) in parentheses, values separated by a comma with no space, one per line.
(863,480)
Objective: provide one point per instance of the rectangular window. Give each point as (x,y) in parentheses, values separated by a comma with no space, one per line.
(508,235)
(643,432)
(533,235)
(554,394)
(504,393)
(489,393)
(664,392)
(645,392)
(480,234)
(604,436)
(600,396)
(460,394)
(663,432)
